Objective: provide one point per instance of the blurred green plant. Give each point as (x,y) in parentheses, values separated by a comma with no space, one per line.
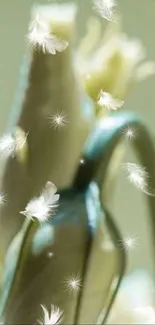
(61,87)
(113,62)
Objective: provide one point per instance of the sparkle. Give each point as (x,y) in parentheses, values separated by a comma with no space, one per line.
(58,120)
(2,199)
(129,133)
(73,283)
(50,254)
(129,242)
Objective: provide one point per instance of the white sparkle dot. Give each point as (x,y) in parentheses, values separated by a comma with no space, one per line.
(58,120)
(129,133)
(50,254)
(73,283)
(129,242)
(81,161)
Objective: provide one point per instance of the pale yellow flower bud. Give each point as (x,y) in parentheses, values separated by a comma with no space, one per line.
(115,66)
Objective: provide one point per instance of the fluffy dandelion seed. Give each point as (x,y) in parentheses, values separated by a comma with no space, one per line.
(10,145)
(40,36)
(55,44)
(129,242)
(58,120)
(7,146)
(38,33)
(73,283)
(129,133)
(36,22)
(53,317)
(42,207)
(105,8)
(106,100)
(138,176)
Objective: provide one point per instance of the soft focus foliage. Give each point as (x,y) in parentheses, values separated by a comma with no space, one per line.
(134,304)
(114,63)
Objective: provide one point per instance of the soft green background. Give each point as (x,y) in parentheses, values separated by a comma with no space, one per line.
(139,22)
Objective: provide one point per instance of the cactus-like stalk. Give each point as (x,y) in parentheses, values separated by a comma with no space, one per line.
(50,154)
(53,153)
